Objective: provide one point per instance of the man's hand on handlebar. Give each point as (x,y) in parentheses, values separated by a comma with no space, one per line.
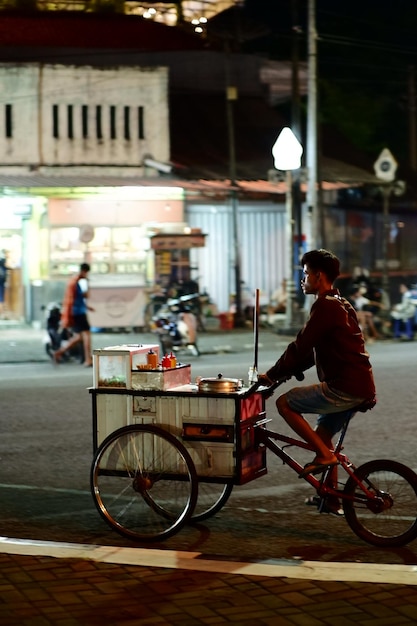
(265,381)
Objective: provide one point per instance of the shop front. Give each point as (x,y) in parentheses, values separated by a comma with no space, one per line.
(111,232)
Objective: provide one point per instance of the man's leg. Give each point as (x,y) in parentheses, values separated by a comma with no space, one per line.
(304,430)
(76,338)
(86,336)
(409,328)
(326,437)
(397,328)
(332,502)
(370,324)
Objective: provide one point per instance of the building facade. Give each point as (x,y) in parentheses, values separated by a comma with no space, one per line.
(66,132)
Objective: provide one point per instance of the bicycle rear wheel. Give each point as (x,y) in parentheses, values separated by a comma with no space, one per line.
(388,517)
(144,483)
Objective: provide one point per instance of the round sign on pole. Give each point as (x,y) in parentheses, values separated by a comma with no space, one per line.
(385,166)
(86,233)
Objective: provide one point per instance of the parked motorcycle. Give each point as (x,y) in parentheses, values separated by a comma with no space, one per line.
(55,337)
(176,327)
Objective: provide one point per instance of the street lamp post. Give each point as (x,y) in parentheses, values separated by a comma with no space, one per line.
(287,152)
(385,169)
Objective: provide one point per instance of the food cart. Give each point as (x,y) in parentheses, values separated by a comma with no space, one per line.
(167,449)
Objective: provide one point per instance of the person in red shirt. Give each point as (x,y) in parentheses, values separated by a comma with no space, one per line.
(331,340)
(74,315)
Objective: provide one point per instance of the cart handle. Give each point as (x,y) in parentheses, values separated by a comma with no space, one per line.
(269,391)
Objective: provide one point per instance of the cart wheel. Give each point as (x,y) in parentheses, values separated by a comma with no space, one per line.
(144,483)
(211,498)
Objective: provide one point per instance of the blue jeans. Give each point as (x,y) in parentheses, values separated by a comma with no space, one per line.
(406,324)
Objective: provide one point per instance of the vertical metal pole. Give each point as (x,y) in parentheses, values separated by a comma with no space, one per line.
(412,117)
(386,192)
(296,127)
(256,331)
(231,96)
(27,289)
(311,152)
(290,242)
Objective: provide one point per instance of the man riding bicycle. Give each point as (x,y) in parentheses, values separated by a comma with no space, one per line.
(331,340)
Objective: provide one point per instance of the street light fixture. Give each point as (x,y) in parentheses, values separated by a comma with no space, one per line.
(287,152)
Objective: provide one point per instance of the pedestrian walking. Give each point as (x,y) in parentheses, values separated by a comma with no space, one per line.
(74,315)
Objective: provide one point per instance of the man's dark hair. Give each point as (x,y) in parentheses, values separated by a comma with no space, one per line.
(84,267)
(322,261)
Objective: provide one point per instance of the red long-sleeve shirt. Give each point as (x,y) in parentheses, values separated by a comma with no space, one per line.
(332,340)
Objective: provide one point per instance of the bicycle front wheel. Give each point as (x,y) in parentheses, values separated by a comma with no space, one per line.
(144,482)
(386,514)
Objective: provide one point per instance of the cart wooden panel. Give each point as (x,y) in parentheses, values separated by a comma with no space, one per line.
(218,429)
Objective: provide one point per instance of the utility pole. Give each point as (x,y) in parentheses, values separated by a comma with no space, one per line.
(296,128)
(412,117)
(311,152)
(231,97)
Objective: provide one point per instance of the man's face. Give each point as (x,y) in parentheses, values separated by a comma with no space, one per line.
(310,280)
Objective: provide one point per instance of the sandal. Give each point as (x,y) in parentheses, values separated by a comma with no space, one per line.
(316,468)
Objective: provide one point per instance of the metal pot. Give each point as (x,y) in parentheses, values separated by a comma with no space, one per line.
(219,384)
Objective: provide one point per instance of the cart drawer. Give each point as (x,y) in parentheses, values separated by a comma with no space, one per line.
(212,458)
(207,432)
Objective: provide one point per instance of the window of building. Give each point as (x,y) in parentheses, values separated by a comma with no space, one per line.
(84,121)
(55,121)
(113,250)
(70,121)
(112,122)
(141,127)
(8,120)
(126,111)
(99,129)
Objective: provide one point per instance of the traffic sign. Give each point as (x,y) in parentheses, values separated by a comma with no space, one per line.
(385,166)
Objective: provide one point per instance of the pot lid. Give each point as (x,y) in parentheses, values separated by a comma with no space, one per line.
(219,383)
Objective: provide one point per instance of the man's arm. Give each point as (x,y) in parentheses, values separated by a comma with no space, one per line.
(299,355)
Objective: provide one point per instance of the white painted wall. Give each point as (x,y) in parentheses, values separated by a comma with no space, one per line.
(32,90)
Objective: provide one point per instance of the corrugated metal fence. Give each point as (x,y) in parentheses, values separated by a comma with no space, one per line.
(262,243)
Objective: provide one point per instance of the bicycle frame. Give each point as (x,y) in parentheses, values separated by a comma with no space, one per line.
(268,438)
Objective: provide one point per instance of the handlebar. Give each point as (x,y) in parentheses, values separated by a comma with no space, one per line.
(268,391)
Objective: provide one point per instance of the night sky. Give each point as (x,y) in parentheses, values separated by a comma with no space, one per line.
(366,49)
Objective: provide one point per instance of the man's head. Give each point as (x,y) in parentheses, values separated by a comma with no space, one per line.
(84,269)
(320,269)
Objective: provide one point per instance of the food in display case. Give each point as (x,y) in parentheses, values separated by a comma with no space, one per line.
(112,366)
(161,379)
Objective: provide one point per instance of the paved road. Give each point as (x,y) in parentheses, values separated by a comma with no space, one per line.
(46,452)
(264,559)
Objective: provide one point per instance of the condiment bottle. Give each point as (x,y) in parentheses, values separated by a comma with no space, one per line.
(252,376)
(166,362)
(152,359)
(173,360)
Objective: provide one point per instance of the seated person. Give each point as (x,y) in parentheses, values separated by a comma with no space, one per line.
(364,315)
(403,315)
(278,302)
